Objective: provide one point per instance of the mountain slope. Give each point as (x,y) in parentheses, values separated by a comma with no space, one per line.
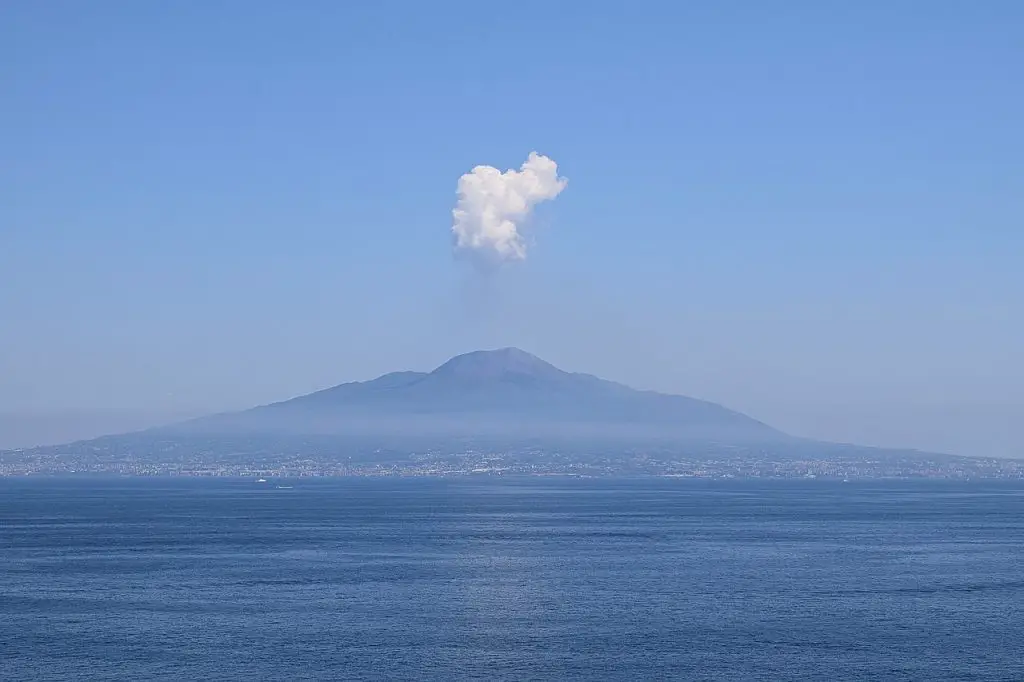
(500,392)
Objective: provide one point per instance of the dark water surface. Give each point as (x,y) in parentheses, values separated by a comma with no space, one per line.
(526,579)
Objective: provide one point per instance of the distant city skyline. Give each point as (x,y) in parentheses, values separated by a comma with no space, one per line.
(811,216)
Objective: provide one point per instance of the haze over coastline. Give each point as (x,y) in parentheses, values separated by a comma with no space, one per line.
(489,412)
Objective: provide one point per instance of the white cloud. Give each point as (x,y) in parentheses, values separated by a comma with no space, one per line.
(493,205)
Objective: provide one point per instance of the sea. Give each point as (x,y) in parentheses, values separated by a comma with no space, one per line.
(496,578)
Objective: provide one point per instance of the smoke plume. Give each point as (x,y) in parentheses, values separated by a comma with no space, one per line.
(493,206)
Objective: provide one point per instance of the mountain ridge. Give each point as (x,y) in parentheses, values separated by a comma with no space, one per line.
(491,392)
(501,411)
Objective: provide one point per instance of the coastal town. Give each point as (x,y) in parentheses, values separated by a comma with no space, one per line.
(255,461)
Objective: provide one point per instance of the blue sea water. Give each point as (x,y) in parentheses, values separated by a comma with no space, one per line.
(523,579)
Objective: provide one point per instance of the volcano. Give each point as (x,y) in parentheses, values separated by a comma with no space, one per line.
(506,392)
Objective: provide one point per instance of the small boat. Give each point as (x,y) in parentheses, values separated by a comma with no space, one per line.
(261,480)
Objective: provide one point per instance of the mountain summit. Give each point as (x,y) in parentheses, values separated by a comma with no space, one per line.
(484,365)
(506,392)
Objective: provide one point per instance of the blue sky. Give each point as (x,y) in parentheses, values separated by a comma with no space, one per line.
(811,212)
